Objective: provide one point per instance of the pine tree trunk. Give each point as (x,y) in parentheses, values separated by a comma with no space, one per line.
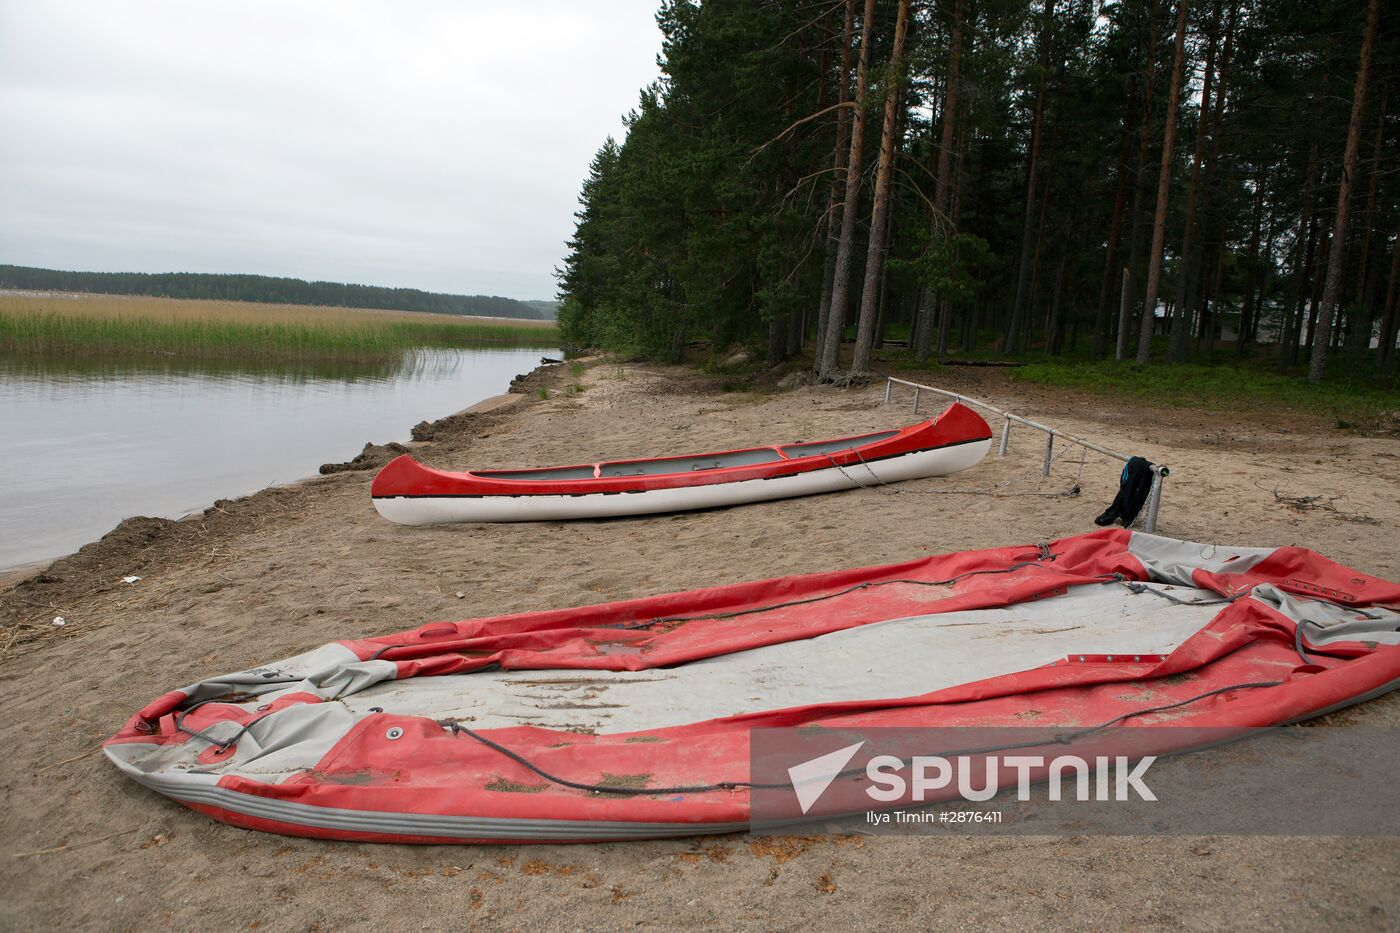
(1385,352)
(1258,303)
(1164,177)
(797,329)
(833,218)
(924,328)
(1210,184)
(870,295)
(1042,212)
(828,360)
(1013,329)
(1180,329)
(1055,329)
(1262,292)
(1210,312)
(777,341)
(1303,246)
(1314,289)
(1361,315)
(1317,367)
(1251,265)
(1115,227)
(955,201)
(1129,288)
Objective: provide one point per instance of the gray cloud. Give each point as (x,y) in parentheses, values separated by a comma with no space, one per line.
(428,144)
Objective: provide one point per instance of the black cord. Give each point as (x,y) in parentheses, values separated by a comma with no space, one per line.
(1062,739)
(223,745)
(1140,588)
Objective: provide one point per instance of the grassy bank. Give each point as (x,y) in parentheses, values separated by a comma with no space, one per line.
(1242,386)
(1353,392)
(101,325)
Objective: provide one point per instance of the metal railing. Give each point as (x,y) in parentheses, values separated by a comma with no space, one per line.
(1159,471)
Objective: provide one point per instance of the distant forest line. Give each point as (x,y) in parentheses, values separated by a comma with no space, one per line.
(270,290)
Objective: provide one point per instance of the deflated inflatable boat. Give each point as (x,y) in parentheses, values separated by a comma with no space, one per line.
(631,719)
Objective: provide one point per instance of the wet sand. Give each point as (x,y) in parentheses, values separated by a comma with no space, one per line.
(292,567)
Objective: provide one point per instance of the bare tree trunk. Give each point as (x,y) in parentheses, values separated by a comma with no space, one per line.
(1211,181)
(1210,312)
(1251,264)
(945,182)
(828,360)
(1013,336)
(870,296)
(1262,292)
(924,328)
(833,223)
(1055,328)
(1385,353)
(1317,367)
(878,340)
(1361,315)
(1164,178)
(1029,323)
(1303,245)
(1181,325)
(1129,290)
(1115,227)
(1315,289)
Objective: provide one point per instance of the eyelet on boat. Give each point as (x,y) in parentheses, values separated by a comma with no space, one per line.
(394,733)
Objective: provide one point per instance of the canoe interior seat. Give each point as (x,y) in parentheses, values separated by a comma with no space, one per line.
(560,473)
(818,448)
(690,464)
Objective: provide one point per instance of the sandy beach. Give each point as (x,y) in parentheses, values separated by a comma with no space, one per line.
(293,567)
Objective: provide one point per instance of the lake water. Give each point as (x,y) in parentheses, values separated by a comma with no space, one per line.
(86,444)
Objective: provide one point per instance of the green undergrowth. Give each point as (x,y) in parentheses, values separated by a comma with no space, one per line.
(1351,398)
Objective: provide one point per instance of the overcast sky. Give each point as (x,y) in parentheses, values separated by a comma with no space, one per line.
(436,145)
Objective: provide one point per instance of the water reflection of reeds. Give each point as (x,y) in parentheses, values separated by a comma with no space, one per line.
(424,363)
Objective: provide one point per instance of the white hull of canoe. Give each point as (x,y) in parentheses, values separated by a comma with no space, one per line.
(432,510)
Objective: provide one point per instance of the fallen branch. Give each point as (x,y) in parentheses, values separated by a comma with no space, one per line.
(76,845)
(1322,504)
(65,761)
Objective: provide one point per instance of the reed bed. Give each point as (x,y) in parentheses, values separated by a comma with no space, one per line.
(107,325)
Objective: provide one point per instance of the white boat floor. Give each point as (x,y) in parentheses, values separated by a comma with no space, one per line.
(896,658)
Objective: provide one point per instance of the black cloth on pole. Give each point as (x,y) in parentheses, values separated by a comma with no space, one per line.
(1133,487)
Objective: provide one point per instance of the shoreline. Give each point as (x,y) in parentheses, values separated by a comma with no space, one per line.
(16,573)
(287,569)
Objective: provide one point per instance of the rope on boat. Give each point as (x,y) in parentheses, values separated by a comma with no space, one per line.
(1063,738)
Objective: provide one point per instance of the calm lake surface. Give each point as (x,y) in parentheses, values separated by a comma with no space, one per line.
(86,443)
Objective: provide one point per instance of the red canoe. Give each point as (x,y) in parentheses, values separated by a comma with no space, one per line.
(409,493)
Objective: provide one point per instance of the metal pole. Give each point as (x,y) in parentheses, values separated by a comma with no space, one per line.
(1160,471)
(1154,500)
(889,384)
